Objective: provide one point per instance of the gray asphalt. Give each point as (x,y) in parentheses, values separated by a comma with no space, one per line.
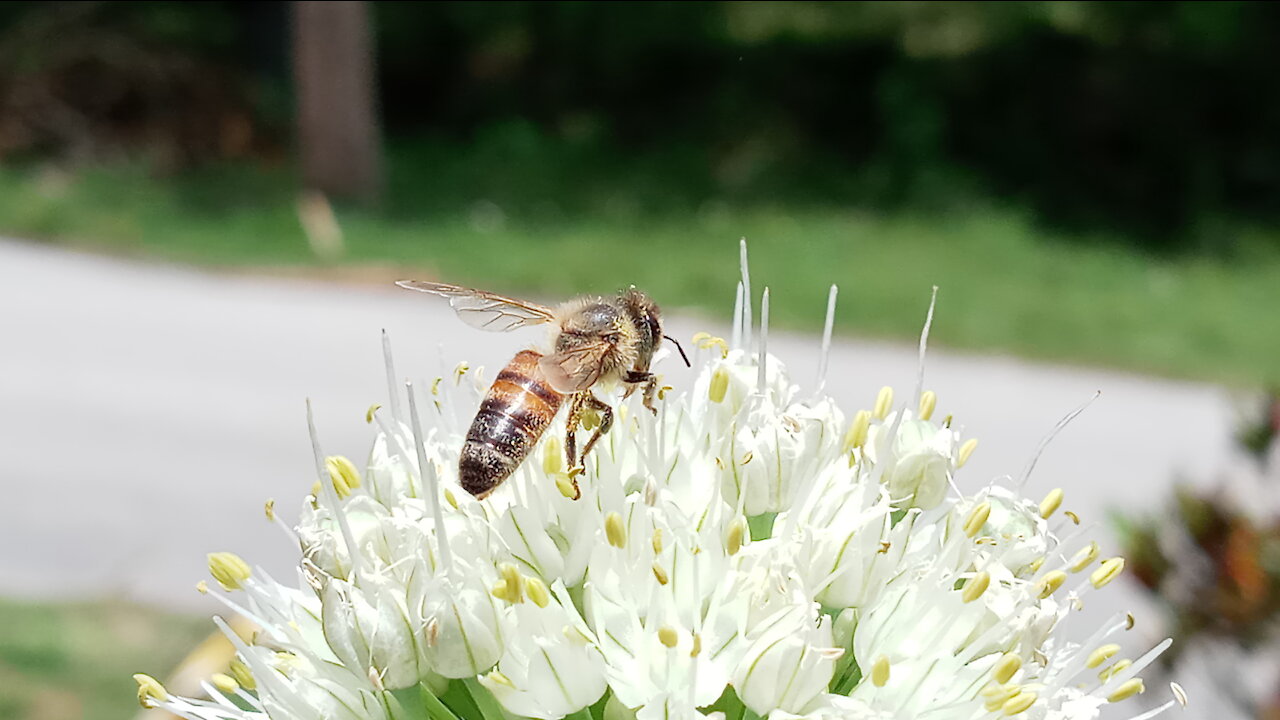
(147,411)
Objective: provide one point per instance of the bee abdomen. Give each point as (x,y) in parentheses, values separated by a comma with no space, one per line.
(516,411)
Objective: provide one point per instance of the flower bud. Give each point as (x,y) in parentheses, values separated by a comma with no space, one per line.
(469,624)
(785,668)
(371,629)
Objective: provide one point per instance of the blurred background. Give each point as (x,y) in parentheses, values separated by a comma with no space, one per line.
(205,204)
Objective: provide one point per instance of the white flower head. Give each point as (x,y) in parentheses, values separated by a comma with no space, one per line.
(746,547)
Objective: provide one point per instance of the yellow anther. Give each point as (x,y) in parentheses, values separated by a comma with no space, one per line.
(343,474)
(500,679)
(615,530)
(1051,502)
(269,507)
(662,391)
(1035,565)
(1129,621)
(718,386)
(450,498)
(1101,655)
(1114,669)
(884,547)
(499,590)
(928,402)
(880,671)
(368,414)
(1127,689)
(228,569)
(224,683)
(697,645)
(435,386)
(1006,667)
(515,586)
(1018,703)
(1179,694)
(565,486)
(537,591)
(657,541)
(1107,571)
(975,586)
(737,532)
(459,370)
(660,574)
(242,675)
(668,636)
(707,341)
(998,695)
(1050,583)
(1084,557)
(977,518)
(856,436)
(698,338)
(1075,519)
(149,690)
(965,451)
(202,587)
(746,458)
(884,401)
(553,455)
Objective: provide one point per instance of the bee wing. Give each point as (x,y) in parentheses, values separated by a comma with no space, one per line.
(574,370)
(485,310)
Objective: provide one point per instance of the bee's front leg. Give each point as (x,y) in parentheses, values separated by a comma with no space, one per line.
(635,379)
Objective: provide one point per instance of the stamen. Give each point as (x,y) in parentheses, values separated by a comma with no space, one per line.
(614,530)
(1107,571)
(746,295)
(1050,583)
(718,386)
(975,586)
(515,586)
(242,675)
(1051,502)
(668,636)
(697,645)
(880,671)
(1127,689)
(1031,464)
(149,690)
(331,496)
(660,574)
(392,395)
(977,518)
(373,410)
(1178,693)
(856,436)
(437,515)
(884,401)
(343,475)
(928,402)
(1019,703)
(537,591)
(229,569)
(1006,668)
(1084,557)
(657,541)
(500,679)
(224,683)
(965,451)
(736,330)
(924,341)
(737,532)
(1101,655)
(761,372)
(827,327)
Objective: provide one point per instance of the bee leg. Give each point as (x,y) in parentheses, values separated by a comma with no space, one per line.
(650,390)
(606,420)
(571,442)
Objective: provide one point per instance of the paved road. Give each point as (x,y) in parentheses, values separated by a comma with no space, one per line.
(147,411)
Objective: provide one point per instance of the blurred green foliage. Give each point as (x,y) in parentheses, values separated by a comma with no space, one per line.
(64,661)
(1152,121)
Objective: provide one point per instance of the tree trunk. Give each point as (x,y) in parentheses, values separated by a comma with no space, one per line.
(338,136)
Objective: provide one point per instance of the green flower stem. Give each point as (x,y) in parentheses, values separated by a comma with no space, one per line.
(583,714)
(484,700)
(436,710)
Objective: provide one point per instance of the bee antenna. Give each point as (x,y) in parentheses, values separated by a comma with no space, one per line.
(682,355)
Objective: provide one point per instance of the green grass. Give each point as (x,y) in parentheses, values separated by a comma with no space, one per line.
(514,216)
(76,660)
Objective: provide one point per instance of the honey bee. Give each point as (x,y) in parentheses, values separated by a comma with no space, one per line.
(595,341)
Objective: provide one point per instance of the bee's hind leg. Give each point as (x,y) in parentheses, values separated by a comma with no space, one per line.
(576,406)
(606,420)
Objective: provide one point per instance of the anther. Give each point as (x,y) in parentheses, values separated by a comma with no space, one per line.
(884,401)
(928,402)
(977,518)
(149,690)
(965,451)
(228,569)
(1051,502)
(1050,583)
(856,436)
(668,636)
(537,591)
(1107,571)
(880,671)
(1006,668)
(614,529)
(1127,689)
(1101,655)
(975,586)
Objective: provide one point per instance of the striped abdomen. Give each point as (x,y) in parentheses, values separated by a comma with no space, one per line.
(515,412)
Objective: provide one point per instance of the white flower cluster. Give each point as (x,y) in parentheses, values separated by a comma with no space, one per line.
(747,552)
